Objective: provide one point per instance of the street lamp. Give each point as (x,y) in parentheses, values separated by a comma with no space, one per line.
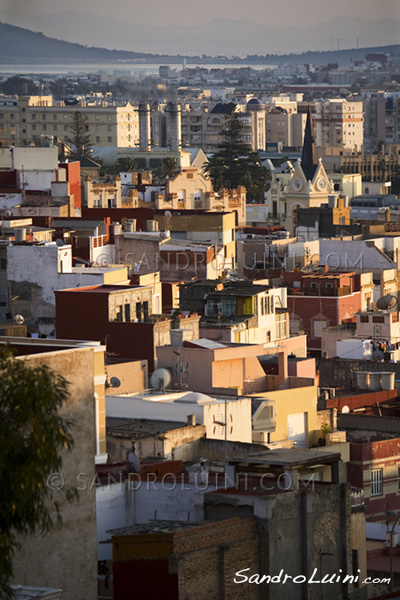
(392,512)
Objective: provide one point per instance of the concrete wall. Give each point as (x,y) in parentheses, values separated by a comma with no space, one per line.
(132,375)
(66,557)
(294,401)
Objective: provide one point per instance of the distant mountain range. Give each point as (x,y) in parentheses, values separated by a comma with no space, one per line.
(216,37)
(22,46)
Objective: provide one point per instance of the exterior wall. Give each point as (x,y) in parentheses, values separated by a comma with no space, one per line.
(366,457)
(316,313)
(35,272)
(206,372)
(116,503)
(132,375)
(102,194)
(238,411)
(306,402)
(108,124)
(42,561)
(194,563)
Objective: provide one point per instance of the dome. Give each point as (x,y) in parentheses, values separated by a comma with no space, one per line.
(254,101)
(194,398)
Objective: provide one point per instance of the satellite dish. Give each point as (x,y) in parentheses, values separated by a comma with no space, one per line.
(160,379)
(115,382)
(59,242)
(378,355)
(168,214)
(345,410)
(387,302)
(18,319)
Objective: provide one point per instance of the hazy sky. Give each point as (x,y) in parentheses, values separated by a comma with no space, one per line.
(182,12)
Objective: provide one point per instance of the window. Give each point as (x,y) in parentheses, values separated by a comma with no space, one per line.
(97,127)
(314,285)
(378,319)
(3,264)
(54,117)
(376,482)
(43,116)
(329,286)
(398,479)
(97,138)
(109,138)
(364,319)
(34,127)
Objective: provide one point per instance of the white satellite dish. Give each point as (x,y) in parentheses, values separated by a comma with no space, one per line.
(168,214)
(18,319)
(345,410)
(160,379)
(115,382)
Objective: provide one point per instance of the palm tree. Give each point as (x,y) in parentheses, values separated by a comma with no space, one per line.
(127,164)
(169,167)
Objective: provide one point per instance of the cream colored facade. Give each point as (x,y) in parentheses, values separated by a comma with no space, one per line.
(285,126)
(202,129)
(25,119)
(192,190)
(301,401)
(301,193)
(340,123)
(102,194)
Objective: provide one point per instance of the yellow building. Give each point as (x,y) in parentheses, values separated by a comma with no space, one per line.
(25,119)
(192,190)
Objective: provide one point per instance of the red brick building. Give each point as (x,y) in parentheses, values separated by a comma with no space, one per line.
(319,300)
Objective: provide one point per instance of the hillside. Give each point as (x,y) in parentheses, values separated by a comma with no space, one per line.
(22,46)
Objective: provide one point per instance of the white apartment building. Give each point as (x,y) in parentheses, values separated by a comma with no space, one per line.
(202,128)
(339,122)
(25,119)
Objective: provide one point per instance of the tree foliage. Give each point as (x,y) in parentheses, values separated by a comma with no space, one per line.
(168,169)
(79,136)
(127,164)
(32,433)
(235,164)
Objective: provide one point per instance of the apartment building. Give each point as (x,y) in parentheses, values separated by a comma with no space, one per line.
(202,128)
(382,118)
(338,122)
(25,119)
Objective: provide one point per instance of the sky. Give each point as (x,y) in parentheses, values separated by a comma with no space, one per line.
(184,12)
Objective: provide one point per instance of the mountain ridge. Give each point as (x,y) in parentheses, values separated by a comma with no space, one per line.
(217,36)
(19,45)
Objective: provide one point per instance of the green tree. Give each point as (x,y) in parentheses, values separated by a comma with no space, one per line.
(127,163)
(168,169)
(79,138)
(32,433)
(235,164)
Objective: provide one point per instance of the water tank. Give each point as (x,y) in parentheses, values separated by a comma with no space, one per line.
(152,225)
(20,234)
(332,200)
(387,381)
(363,380)
(375,381)
(130,225)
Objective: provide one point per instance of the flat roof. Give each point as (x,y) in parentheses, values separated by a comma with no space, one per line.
(288,457)
(128,428)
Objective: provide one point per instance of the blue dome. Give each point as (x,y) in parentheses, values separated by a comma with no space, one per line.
(254,101)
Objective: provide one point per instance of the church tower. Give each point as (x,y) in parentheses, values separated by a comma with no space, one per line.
(309,185)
